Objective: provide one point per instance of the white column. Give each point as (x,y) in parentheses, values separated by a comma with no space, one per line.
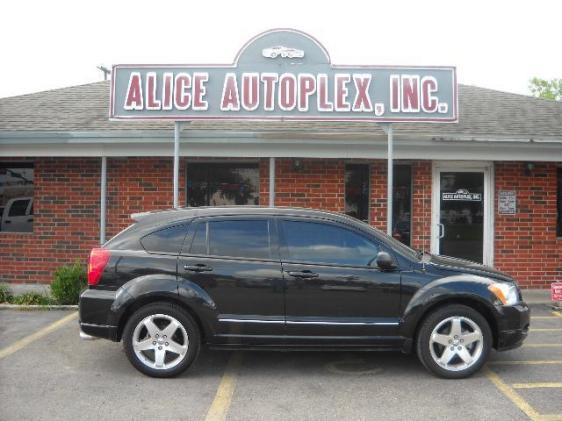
(103,198)
(389,186)
(176,162)
(271,182)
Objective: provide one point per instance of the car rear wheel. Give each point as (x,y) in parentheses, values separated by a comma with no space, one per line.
(161,340)
(454,342)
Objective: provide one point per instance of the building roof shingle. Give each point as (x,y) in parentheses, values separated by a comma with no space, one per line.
(483,112)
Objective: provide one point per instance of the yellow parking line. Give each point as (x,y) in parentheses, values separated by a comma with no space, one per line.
(553,417)
(557,313)
(542,345)
(22,343)
(512,395)
(536,385)
(554,316)
(531,362)
(223,398)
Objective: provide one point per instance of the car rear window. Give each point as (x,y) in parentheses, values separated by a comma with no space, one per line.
(168,240)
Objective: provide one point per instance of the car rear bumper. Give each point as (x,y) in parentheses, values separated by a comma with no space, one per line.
(513,326)
(95,313)
(92,331)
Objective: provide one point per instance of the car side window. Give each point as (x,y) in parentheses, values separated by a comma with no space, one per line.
(168,240)
(18,208)
(316,242)
(233,238)
(199,243)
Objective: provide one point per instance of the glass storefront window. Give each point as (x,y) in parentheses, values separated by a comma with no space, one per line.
(222,184)
(16,197)
(402,204)
(357,191)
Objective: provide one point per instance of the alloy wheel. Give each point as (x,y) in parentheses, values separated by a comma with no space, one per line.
(456,343)
(160,341)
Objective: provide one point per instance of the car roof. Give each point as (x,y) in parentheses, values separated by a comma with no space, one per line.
(178,214)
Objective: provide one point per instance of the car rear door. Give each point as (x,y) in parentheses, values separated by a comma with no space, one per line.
(333,292)
(236,261)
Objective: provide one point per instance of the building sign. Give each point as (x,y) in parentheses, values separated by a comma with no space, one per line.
(284,75)
(462,195)
(507,202)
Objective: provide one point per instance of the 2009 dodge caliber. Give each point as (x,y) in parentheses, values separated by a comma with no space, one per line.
(280,278)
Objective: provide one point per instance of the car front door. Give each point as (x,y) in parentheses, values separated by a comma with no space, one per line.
(335,294)
(236,261)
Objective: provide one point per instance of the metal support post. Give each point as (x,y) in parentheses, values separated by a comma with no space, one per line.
(177,127)
(103,198)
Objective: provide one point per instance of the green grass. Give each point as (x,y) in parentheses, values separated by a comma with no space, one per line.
(30,298)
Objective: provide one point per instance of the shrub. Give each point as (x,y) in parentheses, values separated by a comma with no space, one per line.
(69,281)
(30,298)
(4,294)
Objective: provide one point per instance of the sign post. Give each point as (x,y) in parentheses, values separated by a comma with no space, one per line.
(284,75)
(177,128)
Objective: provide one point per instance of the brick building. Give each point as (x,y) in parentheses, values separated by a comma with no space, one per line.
(488,188)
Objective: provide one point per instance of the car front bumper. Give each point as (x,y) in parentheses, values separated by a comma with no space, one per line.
(513,325)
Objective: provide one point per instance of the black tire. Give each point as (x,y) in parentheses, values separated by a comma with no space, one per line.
(185,320)
(426,328)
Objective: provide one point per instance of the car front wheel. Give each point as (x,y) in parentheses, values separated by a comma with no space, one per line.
(454,341)
(161,340)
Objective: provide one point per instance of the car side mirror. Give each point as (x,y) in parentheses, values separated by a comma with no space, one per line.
(385,261)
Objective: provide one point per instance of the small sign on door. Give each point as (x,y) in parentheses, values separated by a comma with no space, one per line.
(462,195)
(507,202)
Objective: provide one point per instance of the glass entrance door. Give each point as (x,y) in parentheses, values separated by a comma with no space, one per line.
(461,214)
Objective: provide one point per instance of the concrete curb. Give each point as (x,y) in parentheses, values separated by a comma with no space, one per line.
(36,307)
(537,296)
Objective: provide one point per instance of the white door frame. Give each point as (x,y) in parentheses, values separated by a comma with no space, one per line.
(465,166)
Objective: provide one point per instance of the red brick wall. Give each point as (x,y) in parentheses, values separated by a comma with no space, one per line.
(67,209)
(525,243)
(421,205)
(378,195)
(138,185)
(319,184)
(65,226)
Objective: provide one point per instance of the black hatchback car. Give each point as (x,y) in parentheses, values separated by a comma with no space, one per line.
(281,278)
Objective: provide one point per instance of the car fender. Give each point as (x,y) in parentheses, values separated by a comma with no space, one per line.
(150,288)
(457,288)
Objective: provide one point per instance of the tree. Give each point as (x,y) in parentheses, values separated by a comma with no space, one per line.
(547,89)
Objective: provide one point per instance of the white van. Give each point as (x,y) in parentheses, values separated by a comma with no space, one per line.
(18,215)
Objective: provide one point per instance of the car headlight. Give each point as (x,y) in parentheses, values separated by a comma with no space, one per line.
(506,293)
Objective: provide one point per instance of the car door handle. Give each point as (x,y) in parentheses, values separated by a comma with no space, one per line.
(198,268)
(303,274)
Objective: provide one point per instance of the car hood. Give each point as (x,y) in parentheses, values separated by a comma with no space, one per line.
(467,266)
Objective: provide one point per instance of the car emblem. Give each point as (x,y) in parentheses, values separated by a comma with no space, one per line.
(282,51)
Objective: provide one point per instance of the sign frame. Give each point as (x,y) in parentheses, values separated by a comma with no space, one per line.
(332,116)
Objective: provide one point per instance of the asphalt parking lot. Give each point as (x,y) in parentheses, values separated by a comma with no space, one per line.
(47,373)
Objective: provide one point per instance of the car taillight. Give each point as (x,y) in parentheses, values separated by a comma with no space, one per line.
(96,264)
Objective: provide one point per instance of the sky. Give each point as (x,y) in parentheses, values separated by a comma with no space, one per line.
(494,44)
